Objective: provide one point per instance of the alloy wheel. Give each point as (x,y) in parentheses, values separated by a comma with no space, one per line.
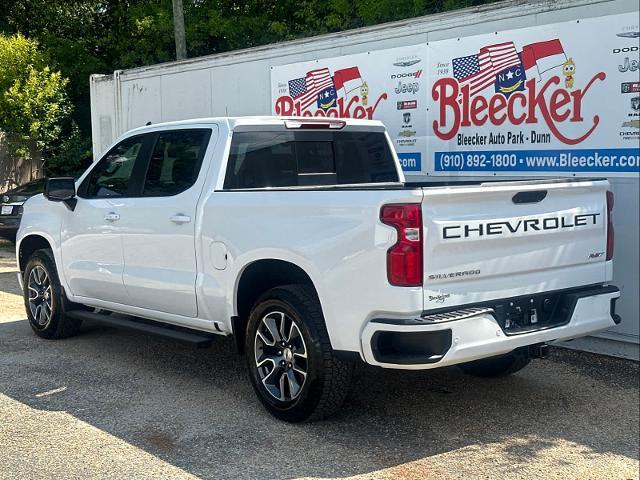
(280,356)
(40,296)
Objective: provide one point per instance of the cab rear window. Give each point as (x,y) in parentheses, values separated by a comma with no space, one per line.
(272,159)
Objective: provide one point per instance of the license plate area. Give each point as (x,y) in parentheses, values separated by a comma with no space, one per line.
(516,315)
(537,312)
(6,210)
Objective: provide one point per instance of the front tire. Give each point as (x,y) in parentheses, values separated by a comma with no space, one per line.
(292,367)
(44,298)
(496,367)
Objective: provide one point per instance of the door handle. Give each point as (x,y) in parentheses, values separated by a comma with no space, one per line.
(180,218)
(112,217)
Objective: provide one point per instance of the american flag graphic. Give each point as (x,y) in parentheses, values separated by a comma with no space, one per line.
(480,70)
(306,89)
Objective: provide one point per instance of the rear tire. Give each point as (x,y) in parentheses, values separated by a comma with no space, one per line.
(44,298)
(291,364)
(496,367)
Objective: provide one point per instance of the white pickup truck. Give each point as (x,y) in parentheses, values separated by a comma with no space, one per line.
(302,239)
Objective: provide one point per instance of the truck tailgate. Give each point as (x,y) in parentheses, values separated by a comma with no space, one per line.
(502,240)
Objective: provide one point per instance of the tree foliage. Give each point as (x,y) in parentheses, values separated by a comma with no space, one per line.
(81,37)
(33,101)
(71,156)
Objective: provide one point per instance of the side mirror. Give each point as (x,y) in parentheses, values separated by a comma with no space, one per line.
(61,189)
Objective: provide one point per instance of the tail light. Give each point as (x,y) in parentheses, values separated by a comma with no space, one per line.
(404,258)
(610,235)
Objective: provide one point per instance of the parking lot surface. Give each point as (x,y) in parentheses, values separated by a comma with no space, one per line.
(115,404)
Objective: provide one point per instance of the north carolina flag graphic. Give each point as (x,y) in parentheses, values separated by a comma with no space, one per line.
(543,55)
(348,79)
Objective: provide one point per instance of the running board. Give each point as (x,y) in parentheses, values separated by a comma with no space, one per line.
(185,335)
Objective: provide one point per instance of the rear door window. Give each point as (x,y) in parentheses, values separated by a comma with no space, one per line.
(271,159)
(175,162)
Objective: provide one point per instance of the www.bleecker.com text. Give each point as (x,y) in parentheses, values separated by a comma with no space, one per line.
(507,227)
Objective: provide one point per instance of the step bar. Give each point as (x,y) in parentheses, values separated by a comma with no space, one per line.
(126,322)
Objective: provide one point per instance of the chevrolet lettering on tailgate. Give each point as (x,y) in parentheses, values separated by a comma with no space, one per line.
(514,227)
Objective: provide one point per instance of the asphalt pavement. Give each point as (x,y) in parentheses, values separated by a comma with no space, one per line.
(116,404)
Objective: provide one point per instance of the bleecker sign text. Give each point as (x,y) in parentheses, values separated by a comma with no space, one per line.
(552,105)
(511,227)
(345,108)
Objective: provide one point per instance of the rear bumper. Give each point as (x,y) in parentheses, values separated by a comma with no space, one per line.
(415,344)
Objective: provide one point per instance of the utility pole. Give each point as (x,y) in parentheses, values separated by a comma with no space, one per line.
(178,28)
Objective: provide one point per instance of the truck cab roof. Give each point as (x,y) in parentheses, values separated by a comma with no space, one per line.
(235,122)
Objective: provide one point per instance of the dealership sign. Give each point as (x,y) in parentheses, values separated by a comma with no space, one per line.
(388,85)
(548,99)
(555,98)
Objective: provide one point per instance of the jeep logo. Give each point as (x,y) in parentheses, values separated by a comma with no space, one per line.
(628,65)
(412,87)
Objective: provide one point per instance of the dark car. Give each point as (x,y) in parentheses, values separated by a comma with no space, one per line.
(11,207)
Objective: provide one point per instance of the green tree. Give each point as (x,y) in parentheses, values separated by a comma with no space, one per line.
(33,100)
(71,156)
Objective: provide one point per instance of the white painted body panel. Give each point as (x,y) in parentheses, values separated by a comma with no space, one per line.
(160,259)
(91,250)
(188,274)
(44,219)
(334,236)
(512,264)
